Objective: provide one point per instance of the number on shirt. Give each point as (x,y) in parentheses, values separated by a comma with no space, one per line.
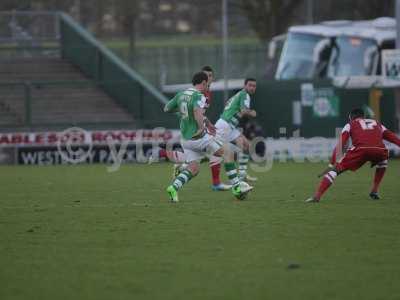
(183,109)
(367,124)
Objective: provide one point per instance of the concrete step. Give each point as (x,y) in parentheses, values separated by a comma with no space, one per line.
(54,118)
(59,103)
(9,118)
(42,77)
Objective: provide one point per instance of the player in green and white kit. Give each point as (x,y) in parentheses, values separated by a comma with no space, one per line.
(227,126)
(195,140)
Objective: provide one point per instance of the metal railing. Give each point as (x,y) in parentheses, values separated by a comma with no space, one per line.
(74,44)
(30,104)
(125,85)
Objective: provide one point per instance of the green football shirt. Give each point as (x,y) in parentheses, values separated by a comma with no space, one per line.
(185,102)
(239,101)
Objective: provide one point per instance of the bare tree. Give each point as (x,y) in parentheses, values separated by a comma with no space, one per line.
(128,10)
(352,10)
(270,17)
(374,9)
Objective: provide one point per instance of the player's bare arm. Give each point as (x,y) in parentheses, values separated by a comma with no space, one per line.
(391,137)
(338,151)
(248,112)
(210,126)
(199,117)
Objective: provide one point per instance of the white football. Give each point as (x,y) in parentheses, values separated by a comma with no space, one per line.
(245,187)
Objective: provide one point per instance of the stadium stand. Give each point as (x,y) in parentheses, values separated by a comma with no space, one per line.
(11,104)
(68,78)
(38,69)
(60,94)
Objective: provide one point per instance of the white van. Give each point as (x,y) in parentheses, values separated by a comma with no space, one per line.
(335,49)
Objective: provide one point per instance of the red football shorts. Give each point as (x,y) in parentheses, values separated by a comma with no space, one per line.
(356,157)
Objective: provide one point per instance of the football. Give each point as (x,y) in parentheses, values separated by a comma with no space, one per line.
(245,188)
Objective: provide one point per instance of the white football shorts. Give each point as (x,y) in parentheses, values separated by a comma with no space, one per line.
(200,148)
(226,132)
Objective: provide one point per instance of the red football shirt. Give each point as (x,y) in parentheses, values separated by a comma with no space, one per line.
(364,133)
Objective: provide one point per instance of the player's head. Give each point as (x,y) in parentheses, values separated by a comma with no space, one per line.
(250,85)
(356,113)
(210,73)
(200,81)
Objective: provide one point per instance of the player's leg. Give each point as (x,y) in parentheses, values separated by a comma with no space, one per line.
(243,157)
(215,147)
(177,157)
(238,189)
(325,184)
(222,129)
(179,160)
(215,167)
(379,158)
(232,135)
(230,166)
(174,156)
(193,153)
(352,160)
(379,173)
(183,177)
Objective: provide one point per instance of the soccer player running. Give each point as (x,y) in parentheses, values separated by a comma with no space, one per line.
(195,140)
(367,137)
(179,158)
(237,107)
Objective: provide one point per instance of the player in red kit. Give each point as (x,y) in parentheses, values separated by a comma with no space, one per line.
(367,138)
(215,162)
(179,158)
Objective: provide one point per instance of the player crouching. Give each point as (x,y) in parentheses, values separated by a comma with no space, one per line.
(367,138)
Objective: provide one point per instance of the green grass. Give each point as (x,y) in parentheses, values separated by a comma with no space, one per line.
(79,232)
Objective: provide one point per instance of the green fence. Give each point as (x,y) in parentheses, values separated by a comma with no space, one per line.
(274,103)
(123,84)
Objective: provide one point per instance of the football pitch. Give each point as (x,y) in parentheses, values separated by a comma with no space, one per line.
(80,232)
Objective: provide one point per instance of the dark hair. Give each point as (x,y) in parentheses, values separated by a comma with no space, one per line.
(356,113)
(207,69)
(249,79)
(199,77)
